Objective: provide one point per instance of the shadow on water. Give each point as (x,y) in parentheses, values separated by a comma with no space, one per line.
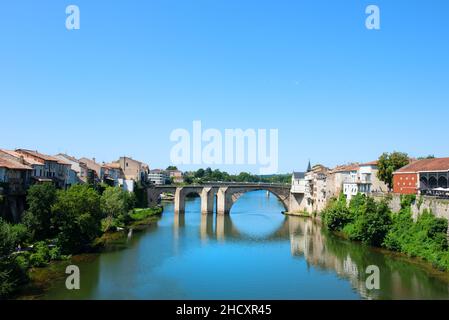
(253,253)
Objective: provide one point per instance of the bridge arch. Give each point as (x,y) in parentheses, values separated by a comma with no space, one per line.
(226,197)
(237,195)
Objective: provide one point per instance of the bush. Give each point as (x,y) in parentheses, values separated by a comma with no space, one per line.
(41,255)
(426,238)
(371,222)
(21,233)
(407,200)
(337,215)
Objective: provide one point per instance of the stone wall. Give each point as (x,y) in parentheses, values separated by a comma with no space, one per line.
(439,207)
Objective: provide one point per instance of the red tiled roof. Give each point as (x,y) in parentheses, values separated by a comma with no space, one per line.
(38,155)
(345,168)
(27,158)
(437,164)
(112,165)
(371,163)
(14,165)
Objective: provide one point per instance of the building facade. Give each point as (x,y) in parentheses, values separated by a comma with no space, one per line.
(363,180)
(15,178)
(133,169)
(113,173)
(78,168)
(158,177)
(45,168)
(176,176)
(95,171)
(298,183)
(316,190)
(426,177)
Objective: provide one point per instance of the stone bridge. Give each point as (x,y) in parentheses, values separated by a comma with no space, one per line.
(225,194)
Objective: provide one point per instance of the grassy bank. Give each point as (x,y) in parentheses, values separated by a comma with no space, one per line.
(60,223)
(374,224)
(41,277)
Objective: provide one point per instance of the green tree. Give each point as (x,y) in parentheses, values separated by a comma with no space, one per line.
(172,168)
(389,163)
(188,179)
(113,202)
(11,275)
(116,203)
(199,173)
(78,217)
(140,193)
(430,156)
(38,217)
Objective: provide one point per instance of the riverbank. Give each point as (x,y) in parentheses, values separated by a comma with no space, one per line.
(41,279)
(303,214)
(372,223)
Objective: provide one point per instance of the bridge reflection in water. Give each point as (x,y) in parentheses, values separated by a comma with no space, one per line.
(326,252)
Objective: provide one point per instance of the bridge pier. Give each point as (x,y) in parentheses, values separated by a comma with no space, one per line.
(207,200)
(224,201)
(180,201)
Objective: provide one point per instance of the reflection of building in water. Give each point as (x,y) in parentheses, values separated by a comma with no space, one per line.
(307,239)
(350,267)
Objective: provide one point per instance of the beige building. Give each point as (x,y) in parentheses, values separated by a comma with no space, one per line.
(176,175)
(133,169)
(316,193)
(339,175)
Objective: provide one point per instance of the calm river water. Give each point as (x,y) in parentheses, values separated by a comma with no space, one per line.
(254,253)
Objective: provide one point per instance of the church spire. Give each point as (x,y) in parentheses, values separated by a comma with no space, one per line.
(309,167)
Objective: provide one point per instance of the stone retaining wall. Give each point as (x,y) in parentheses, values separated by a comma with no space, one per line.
(439,207)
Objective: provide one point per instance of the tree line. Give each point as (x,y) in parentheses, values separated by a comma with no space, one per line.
(204,175)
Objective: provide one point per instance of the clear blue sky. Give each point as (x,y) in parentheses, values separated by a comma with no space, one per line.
(136,70)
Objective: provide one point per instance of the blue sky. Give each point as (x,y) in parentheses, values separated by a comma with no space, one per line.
(136,70)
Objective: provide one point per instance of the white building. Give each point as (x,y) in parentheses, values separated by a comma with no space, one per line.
(298,182)
(158,177)
(363,179)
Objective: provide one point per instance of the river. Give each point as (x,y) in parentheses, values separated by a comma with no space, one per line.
(253,253)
